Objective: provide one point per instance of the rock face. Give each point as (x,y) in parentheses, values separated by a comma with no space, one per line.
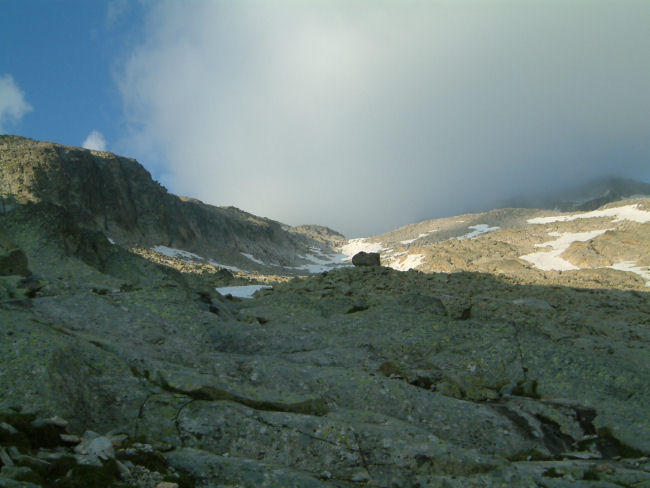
(366,259)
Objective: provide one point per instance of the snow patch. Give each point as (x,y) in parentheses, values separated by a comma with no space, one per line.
(354,246)
(551,260)
(627,212)
(409,262)
(643,271)
(244,291)
(479,229)
(224,266)
(318,264)
(111,240)
(190,257)
(410,241)
(177,253)
(253,258)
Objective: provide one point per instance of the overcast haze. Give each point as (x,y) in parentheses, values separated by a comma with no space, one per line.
(367,115)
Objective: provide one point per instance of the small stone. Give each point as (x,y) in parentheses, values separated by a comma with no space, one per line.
(70,439)
(123,470)
(167,484)
(55,421)
(361,475)
(325,475)
(4,457)
(93,445)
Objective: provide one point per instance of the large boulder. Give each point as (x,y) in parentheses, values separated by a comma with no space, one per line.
(13,260)
(366,259)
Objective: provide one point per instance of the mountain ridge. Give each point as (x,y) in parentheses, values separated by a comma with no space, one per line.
(117,196)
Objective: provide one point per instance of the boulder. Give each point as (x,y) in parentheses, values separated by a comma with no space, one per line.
(13,260)
(366,259)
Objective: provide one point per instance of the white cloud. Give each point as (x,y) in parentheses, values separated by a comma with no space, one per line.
(95,141)
(366,115)
(12,102)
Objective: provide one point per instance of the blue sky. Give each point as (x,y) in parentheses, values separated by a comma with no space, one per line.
(62,55)
(359,115)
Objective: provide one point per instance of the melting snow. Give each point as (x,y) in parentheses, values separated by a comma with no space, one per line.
(478,230)
(628,212)
(409,262)
(244,291)
(551,260)
(190,257)
(177,253)
(357,245)
(643,271)
(319,265)
(410,241)
(253,258)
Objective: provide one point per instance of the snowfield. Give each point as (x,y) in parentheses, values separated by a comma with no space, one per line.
(627,212)
(409,262)
(479,229)
(411,241)
(357,245)
(190,257)
(551,260)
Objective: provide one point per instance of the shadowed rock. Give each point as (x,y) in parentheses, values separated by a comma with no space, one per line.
(366,259)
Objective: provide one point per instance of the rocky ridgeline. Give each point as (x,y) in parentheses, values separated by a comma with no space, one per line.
(117,196)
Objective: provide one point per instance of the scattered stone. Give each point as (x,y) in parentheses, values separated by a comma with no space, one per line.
(5,458)
(70,439)
(93,446)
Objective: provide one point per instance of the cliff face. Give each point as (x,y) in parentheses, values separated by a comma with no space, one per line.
(118,197)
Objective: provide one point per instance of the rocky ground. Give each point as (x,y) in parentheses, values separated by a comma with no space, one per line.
(354,377)
(514,354)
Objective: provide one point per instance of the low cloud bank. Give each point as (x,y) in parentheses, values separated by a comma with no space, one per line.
(368,115)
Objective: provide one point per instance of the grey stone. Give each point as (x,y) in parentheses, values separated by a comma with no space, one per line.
(366,259)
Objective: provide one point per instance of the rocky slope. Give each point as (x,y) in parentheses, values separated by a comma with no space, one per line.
(607,247)
(118,368)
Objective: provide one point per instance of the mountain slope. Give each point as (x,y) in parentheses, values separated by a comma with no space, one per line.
(608,247)
(117,196)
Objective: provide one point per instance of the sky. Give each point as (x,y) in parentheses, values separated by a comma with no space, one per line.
(361,115)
